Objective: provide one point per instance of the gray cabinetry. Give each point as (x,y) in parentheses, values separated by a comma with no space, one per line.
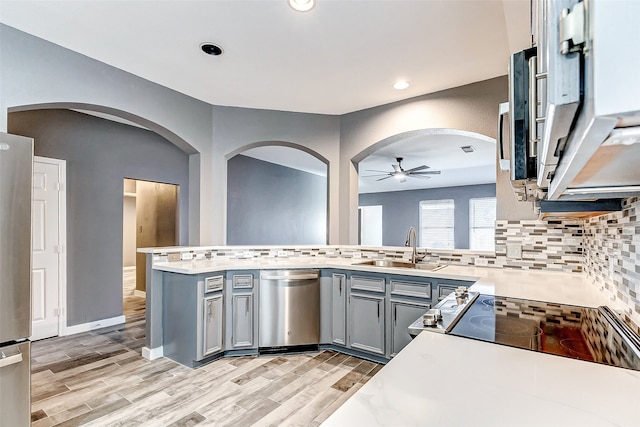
(367,322)
(409,298)
(366,313)
(242,321)
(402,314)
(326,306)
(241,315)
(193,320)
(212,324)
(339,308)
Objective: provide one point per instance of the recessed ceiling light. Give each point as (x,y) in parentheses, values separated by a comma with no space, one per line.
(302,5)
(402,84)
(211,49)
(468,148)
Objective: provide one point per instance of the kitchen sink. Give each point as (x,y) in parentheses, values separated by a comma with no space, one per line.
(401,264)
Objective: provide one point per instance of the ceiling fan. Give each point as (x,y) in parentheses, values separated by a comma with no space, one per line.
(401,174)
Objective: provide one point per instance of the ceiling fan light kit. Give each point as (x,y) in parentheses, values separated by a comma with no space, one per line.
(401,174)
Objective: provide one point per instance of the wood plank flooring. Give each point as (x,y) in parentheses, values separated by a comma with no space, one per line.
(98,378)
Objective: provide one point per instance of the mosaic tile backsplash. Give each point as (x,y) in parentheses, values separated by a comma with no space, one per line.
(605,247)
(612,258)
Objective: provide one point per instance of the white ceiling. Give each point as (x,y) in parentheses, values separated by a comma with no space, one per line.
(342,56)
(440,150)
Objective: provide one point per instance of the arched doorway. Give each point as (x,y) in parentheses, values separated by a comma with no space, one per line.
(277,194)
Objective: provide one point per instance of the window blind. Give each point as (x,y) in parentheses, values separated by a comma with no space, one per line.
(482,219)
(437,224)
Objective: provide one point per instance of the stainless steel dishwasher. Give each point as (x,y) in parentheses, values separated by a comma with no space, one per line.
(289,312)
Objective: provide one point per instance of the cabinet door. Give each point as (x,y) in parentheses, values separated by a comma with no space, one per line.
(366,323)
(242,321)
(339,300)
(402,315)
(212,329)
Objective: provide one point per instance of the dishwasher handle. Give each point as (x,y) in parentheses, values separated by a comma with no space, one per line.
(290,277)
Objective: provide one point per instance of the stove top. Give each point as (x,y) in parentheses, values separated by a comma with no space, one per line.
(591,334)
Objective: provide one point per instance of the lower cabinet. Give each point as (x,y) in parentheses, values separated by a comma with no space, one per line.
(403,314)
(367,323)
(242,321)
(193,317)
(339,309)
(212,330)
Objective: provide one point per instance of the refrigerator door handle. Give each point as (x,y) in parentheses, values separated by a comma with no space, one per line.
(10,360)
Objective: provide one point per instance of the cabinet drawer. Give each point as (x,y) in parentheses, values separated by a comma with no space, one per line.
(444,290)
(242,281)
(411,289)
(375,284)
(213,283)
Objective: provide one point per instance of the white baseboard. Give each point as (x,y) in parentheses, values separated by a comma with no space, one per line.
(141,294)
(153,353)
(85,327)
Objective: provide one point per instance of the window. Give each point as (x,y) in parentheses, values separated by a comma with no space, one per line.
(482,218)
(437,224)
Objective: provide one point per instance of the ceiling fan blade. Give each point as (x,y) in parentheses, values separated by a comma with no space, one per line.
(386,177)
(419,176)
(427,173)
(373,176)
(418,168)
(396,168)
(373,170)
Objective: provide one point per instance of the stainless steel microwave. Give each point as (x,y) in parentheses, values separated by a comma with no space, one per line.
(581,101)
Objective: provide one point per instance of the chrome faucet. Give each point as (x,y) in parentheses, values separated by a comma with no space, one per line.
(407,243)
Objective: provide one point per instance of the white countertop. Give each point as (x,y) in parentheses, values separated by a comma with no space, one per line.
(443,380)
(565,288)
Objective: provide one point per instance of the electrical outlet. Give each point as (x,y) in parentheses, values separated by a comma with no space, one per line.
(514,251)
(481,262)
(357,255)
(282,253)
(247,254)
(186,256)
(200,255)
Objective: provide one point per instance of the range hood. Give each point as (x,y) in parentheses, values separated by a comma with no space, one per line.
(588,109)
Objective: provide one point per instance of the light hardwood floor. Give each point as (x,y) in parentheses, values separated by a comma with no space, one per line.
(98,378)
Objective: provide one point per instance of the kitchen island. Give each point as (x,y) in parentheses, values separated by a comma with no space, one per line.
(446,380)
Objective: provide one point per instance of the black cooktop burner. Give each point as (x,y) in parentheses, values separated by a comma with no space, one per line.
(577,332)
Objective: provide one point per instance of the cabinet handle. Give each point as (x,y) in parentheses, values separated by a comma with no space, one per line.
(340,283)
(395,314)
(246,306)
(378,309)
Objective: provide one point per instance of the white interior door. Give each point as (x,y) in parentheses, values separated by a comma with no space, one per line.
(46,304)
(370,225)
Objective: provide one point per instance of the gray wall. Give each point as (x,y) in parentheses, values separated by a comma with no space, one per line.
(35,73)
(99,155)
(400,210)
(473,107)
(269,204)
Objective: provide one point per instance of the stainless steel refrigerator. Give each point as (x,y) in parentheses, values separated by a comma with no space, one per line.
(16,168)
